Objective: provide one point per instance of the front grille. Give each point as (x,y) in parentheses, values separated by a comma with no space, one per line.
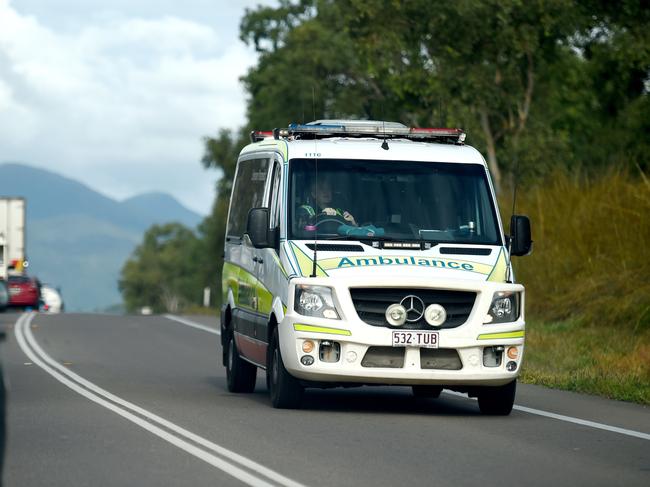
(371,304)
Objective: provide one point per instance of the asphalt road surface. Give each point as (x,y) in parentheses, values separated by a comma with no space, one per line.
(98,400)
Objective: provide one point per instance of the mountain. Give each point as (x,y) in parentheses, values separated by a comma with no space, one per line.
(161,208)
(79,239)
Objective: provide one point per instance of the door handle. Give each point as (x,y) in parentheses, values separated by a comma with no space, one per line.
(258,259)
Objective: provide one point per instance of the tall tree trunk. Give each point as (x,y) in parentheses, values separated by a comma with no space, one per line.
(491,150)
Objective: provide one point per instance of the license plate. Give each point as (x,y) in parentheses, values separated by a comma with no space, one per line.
(423,339)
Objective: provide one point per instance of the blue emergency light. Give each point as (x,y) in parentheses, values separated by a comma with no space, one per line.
(362,128)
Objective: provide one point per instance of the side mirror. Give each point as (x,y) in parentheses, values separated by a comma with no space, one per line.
(257,227)
(521,242)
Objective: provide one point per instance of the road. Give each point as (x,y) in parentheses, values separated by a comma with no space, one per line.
(103,400)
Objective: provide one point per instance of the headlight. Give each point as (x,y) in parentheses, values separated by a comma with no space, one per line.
(315,301)
(504,307)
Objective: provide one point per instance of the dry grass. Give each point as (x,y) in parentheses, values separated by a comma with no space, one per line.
(592,360)
(588,284)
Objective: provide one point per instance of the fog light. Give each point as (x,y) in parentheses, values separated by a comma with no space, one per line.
(307,346)
(307,360)
(511,366)
(492,356)
(513,353)
(435,315)
(329,351)
(396,314)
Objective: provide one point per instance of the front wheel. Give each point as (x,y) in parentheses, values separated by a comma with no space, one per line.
(240,375)
(497,401)
(284,389)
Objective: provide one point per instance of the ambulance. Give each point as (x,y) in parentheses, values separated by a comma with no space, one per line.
(370,253)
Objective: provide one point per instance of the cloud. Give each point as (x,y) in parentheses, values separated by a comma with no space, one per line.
(120,103)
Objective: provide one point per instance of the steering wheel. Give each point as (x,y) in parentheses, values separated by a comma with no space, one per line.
(332,219)
(330,224)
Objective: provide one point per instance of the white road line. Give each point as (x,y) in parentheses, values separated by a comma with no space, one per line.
(583,422)
(538,412)
(569,419)
(193,324)
(94,393)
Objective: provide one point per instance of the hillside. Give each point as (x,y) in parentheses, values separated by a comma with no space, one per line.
(160,208)
(78,238)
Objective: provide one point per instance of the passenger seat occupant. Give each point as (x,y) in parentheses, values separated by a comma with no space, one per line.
(320,203)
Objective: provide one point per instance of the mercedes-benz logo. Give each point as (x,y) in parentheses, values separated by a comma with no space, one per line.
(414,308)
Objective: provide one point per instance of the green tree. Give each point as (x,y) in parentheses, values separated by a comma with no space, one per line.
(541,82)
(162,272)
(482,59)
(308,66)
(615,47)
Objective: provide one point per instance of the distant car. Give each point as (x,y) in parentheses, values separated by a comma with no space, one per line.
(24,292)
(4,295)
(51,299)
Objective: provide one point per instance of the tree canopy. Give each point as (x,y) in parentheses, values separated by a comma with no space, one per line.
(162,272)
(537,84)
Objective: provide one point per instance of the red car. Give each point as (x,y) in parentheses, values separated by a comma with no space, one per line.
(24,291)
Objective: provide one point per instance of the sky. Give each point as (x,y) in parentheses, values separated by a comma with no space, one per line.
(119,94)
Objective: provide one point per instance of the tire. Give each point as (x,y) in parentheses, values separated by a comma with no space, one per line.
(284,389)
(497,401)
(240,375)
(426,392)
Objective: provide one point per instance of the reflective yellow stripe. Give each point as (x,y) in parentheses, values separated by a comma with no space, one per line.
(245,287)
(506,334)
(306,263)
(498,273)
(321,329)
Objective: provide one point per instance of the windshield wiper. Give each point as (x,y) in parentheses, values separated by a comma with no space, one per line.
(339,237)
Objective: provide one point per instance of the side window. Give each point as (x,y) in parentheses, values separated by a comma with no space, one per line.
(276,195)
(248,192)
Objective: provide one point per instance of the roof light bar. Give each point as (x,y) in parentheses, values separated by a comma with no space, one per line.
(363,128)
(259,135)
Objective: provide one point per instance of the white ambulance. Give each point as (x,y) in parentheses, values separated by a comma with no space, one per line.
(370,253)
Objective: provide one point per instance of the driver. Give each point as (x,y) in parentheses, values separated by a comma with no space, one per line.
(320,203)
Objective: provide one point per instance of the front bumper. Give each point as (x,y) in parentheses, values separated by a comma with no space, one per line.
(356,338)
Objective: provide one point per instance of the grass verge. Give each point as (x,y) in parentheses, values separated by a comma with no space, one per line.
(588,283)
(589,359)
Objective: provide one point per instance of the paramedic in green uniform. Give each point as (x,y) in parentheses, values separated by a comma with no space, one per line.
(320,203)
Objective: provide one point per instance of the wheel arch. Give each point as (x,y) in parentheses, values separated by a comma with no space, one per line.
(275,317)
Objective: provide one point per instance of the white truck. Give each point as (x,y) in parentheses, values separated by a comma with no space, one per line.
(370,253)
(12,235)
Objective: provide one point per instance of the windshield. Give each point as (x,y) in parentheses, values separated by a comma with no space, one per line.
(391,200)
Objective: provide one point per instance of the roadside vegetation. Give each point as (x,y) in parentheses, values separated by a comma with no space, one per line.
(588,283)
(555,96)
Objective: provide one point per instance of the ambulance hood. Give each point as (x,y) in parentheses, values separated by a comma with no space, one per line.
(444,261)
